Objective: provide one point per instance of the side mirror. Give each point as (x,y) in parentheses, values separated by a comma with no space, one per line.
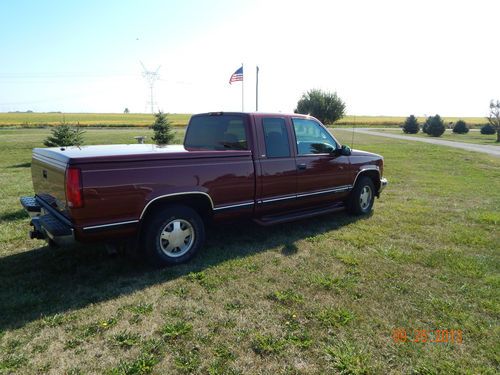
(344,151)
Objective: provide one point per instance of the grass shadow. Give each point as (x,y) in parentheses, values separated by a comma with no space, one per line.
(12,216)
(47,281)
(22,165)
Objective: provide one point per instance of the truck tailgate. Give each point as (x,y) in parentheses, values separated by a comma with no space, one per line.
(48,173)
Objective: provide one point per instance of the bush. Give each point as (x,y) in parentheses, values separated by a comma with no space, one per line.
(488,129)
(460,127)
(163,129)
(327,107)
(434,126)
(64,135)
(411,125)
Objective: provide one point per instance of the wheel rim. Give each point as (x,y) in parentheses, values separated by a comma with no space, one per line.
(176,238)
(365,197)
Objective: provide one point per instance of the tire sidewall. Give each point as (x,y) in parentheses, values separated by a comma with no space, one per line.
(156,225)
(355,206)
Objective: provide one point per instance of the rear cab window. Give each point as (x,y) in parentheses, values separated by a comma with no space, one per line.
(276,138)
(312,138)
(217,132)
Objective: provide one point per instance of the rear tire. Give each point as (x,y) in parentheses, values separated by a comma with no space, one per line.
(362,197)
(173,235)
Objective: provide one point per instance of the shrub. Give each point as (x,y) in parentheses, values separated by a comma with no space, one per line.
(425,128)
(460,127)
(327,107)
(488,129)
(163,129)
(434,126)
(64,135)
(411,125)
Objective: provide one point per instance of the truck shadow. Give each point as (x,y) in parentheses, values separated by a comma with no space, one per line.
(46,281)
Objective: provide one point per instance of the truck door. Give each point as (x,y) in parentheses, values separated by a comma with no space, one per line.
(322,175)
(277,182)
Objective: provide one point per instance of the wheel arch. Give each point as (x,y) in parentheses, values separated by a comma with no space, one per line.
(372,172)
(198,201)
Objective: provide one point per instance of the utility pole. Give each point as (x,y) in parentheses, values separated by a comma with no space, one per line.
(151,77)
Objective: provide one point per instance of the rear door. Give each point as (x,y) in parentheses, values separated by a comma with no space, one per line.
(277,185)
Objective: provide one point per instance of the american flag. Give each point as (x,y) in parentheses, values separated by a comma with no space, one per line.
(237,75)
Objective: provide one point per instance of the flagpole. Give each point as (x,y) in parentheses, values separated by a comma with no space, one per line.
(242,89)
(257,90)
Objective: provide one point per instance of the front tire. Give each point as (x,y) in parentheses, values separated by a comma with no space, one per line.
(362,197)
(173,235)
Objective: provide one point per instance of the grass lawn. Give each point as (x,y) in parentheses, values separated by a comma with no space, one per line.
(471,137)
(323,295)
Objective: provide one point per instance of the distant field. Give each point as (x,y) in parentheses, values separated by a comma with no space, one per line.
(396,121)
(144,119)
(85,119)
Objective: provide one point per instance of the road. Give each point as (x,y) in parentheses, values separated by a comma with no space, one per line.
(485,149)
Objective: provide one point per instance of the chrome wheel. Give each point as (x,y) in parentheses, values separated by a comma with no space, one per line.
(365,197)
(177,238)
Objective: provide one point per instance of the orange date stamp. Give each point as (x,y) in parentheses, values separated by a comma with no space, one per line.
(452,336)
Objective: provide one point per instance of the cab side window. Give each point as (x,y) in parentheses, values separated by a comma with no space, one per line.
(312,138)
(276,138)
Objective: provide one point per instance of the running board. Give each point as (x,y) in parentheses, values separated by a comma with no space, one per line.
(279,219)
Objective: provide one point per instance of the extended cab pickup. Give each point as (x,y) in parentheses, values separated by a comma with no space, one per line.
(271,168)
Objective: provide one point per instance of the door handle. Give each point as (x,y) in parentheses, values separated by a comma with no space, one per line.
(301,166)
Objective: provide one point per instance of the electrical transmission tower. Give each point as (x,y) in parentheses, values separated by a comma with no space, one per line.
(151,77)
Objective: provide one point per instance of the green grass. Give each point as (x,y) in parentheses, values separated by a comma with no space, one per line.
(426,259)
(471,137)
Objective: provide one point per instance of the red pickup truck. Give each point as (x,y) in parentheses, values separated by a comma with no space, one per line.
(271,168)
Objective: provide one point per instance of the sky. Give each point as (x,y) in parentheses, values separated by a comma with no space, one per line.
(381,57)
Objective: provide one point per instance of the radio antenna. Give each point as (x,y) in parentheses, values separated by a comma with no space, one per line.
(353,126)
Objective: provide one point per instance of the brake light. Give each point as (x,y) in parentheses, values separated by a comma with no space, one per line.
(74,195)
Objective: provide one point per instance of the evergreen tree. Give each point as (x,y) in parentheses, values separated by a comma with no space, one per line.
(460,127)
(411,125)
(434,126)
(163,129)
(64,135)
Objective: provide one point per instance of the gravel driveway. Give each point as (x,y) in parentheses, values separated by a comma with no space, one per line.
(485,149)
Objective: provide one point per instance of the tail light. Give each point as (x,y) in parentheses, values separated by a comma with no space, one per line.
(74,195)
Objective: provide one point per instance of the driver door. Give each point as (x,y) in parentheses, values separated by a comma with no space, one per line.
(322,175)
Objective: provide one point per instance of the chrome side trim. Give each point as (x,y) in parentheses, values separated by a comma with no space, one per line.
(334,190)
(50,161)
(277,199)
(176,194)
(338,189)
(366,168)
(233,206)
(111,224)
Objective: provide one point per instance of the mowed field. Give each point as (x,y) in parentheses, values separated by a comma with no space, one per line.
(318,296)
(144,119)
